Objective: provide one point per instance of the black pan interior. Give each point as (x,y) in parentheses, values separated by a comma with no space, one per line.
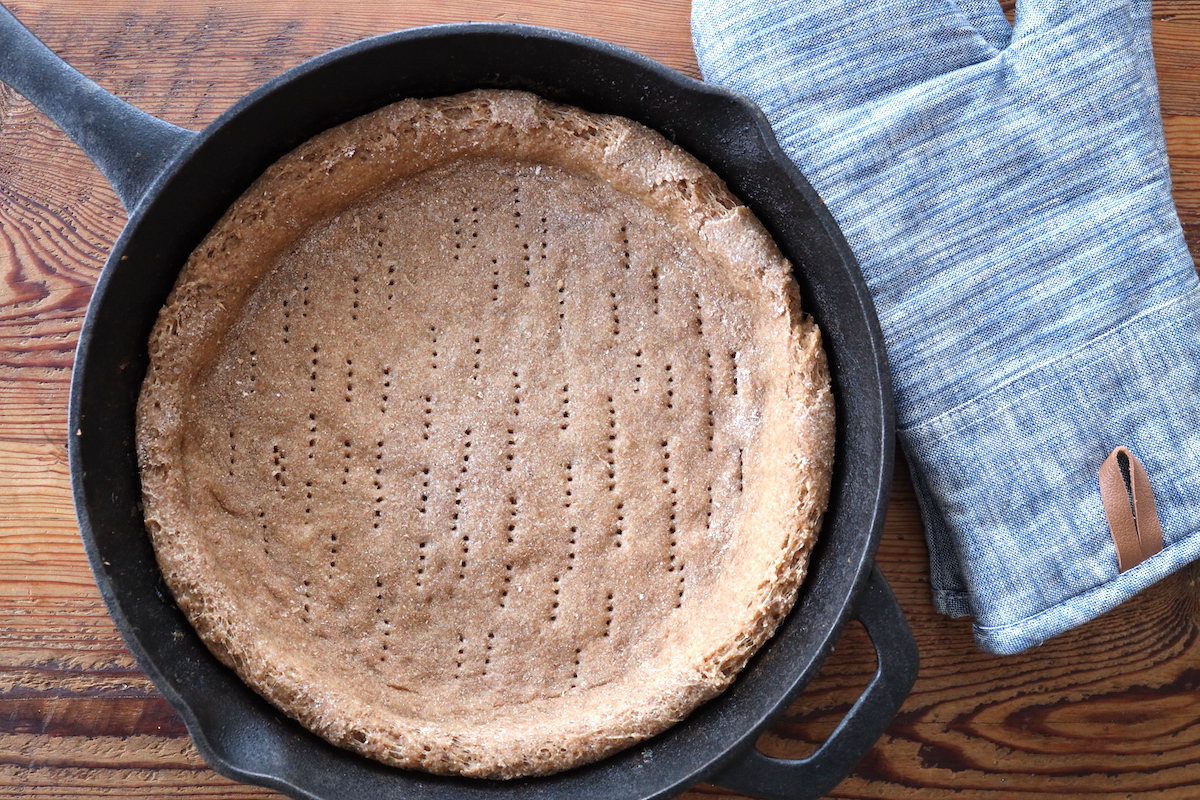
(239,733)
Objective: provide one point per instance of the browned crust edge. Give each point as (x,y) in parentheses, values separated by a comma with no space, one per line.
(404,139)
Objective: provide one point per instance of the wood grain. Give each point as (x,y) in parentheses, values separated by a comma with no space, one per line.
(1108,711)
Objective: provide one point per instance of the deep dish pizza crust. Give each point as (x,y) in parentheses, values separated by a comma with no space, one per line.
(486,436)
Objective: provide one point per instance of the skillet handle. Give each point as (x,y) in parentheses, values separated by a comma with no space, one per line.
(806,779)
(129,146)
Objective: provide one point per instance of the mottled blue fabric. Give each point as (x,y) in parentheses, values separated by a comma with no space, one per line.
(1007,193)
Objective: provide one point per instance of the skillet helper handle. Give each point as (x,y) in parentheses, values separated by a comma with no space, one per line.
(129,146)
(806,779)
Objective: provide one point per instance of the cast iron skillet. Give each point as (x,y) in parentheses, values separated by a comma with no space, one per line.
(176,183)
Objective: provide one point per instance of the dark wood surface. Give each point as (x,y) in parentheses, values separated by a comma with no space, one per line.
(1110,710)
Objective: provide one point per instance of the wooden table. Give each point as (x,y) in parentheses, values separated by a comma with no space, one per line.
(1110,710)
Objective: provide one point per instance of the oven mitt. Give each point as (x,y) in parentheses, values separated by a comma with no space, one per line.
(1007,193)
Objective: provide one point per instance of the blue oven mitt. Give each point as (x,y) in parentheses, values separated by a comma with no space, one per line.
(1007,193)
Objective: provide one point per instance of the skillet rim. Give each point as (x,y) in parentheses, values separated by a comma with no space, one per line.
(219,736)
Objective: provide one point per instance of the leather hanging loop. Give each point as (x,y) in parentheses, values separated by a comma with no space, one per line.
(1129,505)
